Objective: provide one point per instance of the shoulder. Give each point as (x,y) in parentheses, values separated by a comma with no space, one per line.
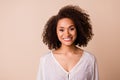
(89,56)
(45,56)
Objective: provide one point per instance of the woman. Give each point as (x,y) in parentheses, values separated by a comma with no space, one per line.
(64,34)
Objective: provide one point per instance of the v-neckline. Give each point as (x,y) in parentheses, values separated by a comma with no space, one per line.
(61,67)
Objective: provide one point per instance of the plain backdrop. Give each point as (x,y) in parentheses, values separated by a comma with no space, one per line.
(21,26)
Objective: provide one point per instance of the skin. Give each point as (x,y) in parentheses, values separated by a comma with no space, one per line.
(66,32)
(68,54)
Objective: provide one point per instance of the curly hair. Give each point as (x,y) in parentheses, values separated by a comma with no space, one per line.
(81,21)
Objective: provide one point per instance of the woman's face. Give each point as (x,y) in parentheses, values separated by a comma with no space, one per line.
(66,31)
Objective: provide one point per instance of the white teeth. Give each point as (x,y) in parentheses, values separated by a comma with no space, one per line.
(67,38)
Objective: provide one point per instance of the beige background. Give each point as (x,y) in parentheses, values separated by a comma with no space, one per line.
(21,24)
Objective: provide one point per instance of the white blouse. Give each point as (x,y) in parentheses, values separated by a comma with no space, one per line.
(85,69)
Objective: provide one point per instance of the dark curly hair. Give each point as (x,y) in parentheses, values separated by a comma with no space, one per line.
(81,21)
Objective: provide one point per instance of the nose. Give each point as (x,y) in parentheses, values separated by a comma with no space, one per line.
(67,33)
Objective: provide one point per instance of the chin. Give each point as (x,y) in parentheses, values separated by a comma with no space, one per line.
(68,44)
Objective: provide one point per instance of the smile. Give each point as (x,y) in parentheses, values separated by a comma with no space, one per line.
(67,39)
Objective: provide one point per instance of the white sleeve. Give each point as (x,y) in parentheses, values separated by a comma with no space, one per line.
(39,73)
(95,71)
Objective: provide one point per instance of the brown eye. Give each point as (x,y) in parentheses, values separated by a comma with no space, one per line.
(61,30)
(72,28)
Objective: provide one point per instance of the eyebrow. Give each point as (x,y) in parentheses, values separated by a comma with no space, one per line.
(69,26)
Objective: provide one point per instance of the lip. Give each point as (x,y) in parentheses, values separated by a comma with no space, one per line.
(67,39)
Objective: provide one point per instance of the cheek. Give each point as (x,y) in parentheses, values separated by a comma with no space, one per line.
(59,34)
(75,33)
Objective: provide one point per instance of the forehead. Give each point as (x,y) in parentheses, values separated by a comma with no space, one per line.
(65,22)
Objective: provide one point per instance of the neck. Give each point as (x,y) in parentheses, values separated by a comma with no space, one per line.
(68,49)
